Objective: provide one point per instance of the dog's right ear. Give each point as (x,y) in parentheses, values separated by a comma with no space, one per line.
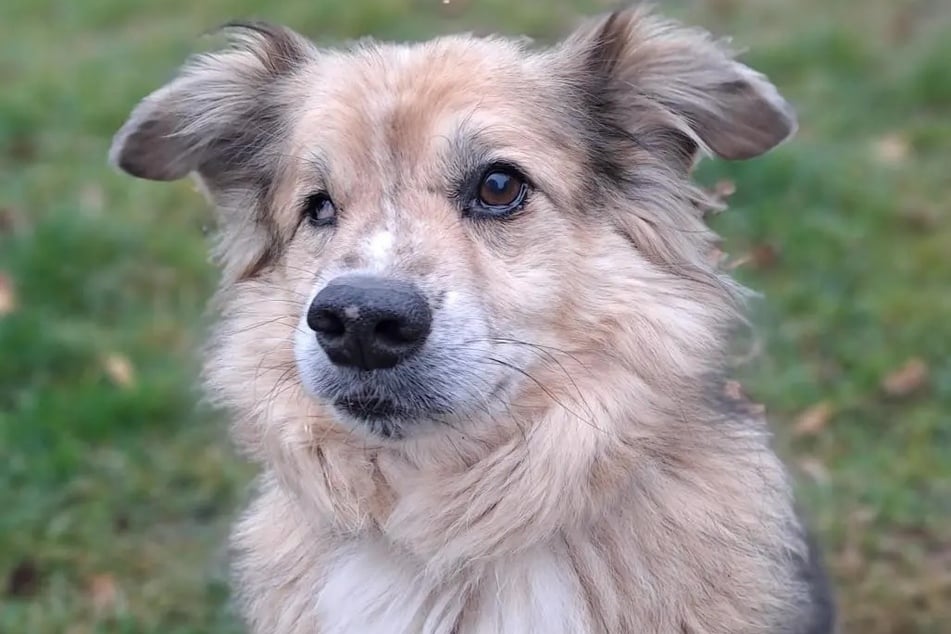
(220,115)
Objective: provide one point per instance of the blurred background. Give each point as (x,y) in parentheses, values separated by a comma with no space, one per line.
(117,486)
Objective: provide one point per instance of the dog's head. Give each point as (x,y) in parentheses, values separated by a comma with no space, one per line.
(456,236)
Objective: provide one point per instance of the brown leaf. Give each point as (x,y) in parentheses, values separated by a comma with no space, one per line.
(24,579)
(850,561)
(8,300)
(121,523)
(716,198)
(724,8)
(739,262)
(103,592)
(761,256)
(734,391)
(724,189)
(813,468)
(812,421)
(11,220)
(120,370)
(892,148)
(920,217)
(902,25)
(907,379)
(765,255)
(861,517)
(21,148)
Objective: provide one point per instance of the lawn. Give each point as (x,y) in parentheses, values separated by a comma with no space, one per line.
(117,485)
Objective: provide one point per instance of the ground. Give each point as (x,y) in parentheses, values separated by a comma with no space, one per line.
(116,485)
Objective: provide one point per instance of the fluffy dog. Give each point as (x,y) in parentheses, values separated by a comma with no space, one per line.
(472,334)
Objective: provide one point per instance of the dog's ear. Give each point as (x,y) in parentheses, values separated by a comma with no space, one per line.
(219,115)
(681,89)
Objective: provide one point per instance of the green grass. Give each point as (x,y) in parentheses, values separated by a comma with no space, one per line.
(115,491)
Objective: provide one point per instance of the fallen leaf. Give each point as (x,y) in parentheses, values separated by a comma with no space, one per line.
(121,523)
(716,198)
(850,561)
(8,300)
(902,25)
(24,579)
(743,260)
(22,148)
(103,592)
(765,255)
(907,379)
(11,220)
(861,518)
(920,217)
(724,8)
(724,189)
(761,256)
(120,370)
(734,391)
(892,148)
(812,421)
(813,468)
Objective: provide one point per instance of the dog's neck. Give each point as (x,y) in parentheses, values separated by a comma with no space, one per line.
(485,542)
(491,494)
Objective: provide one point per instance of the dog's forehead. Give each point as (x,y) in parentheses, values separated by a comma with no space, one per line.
(409,101)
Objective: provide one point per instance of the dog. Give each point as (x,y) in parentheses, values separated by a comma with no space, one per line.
(471,332)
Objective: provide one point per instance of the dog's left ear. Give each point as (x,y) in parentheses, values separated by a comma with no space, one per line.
(675,89)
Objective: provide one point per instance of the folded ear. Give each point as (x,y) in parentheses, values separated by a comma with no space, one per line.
(220,115)
(648,71)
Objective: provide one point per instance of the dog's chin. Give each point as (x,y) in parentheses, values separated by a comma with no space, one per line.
(380,416)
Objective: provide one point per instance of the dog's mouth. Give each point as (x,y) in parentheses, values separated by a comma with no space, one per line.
(382,416)
(371,408)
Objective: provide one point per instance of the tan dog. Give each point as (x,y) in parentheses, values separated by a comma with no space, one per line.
(472,336)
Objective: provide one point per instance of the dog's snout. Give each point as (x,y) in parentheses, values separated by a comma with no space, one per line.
(368,322)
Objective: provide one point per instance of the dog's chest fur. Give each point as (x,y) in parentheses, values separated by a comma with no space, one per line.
(373,590)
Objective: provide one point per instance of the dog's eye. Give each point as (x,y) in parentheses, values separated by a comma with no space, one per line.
(320,210)
(501,191)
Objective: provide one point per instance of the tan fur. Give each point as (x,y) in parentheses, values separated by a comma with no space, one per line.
(602,487)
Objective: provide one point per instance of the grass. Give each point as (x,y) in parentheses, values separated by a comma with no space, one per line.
(116,488)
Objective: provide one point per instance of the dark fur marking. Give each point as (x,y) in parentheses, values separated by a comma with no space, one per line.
(282,52)
(240,159)
(611,104)
(820,618)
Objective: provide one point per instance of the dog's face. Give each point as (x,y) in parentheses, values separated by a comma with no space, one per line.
(421,238)
(439,217)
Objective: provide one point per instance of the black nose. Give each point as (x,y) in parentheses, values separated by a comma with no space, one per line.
(369,322)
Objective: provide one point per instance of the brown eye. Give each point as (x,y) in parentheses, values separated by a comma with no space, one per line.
(501,191)
(319,209)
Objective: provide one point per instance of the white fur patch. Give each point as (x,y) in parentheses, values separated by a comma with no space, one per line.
(379,249)
(452,299)
(374,590)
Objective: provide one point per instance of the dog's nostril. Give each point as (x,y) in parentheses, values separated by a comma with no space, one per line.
(327,323)
(393,332)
